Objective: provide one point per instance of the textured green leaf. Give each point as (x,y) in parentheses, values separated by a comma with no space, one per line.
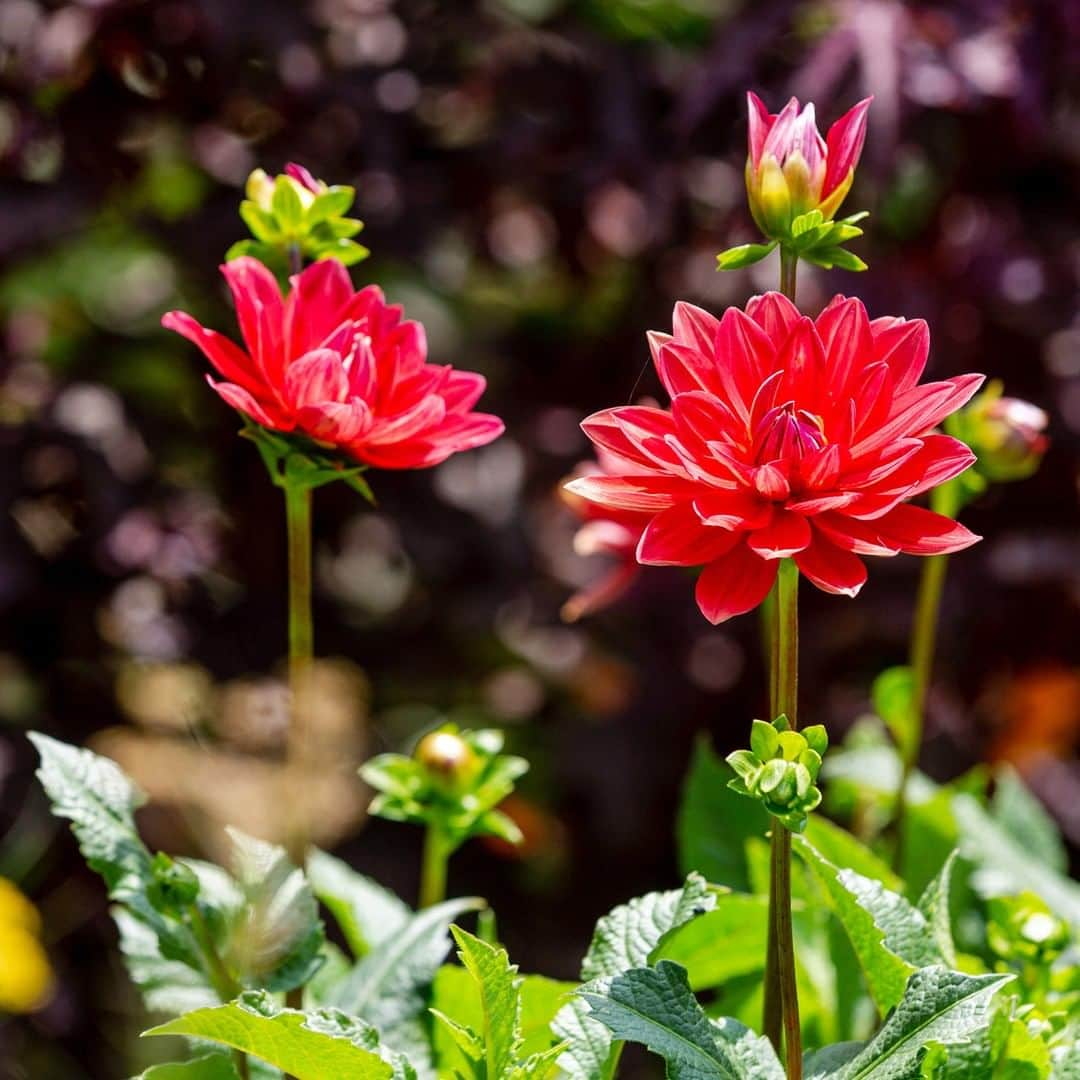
(205,1067)
(655,1007)
(842,849)
(1005,866)
(938,1006)
(1022,816)
(367,913)
(735,258)
(276,944)
(1066,1062)
(389,986)
(715,822)
(500,999)
(935,907)
(825,1063)
(722,944)
(628,936)
(308,1046)
(890,937)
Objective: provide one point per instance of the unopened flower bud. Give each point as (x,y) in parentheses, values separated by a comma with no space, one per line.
(1006,434)
(448,759)
(174,886)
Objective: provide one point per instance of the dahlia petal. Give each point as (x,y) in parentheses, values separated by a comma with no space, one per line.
(771,482)
(240,399)
(844,329)
(903,344)
(803,361)
(871,471)
(230,360)
(701,418)
(316,300)
(765,399)
(851,534)
(745,355)
(606,537)
(316,378)
(407,424)
(779,136)
(731,510)
(695,327)
(657,341)
(435,446)
(463,390)
(874,397)
(785,535)
(635,432)
(774,313)
(830,568)
(259,311)
(677,537)
(682,369)
(820,468)
(844,145)
(639,493)
(760,121)
(923,532)
(818,504)
(942,458)
(734,584)
(362,369)
(335,422)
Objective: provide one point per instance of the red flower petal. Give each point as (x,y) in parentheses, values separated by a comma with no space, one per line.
(259,310)
(831,568)
(845,142)
(785,535)
(760,121)
(646,493)
(676,537)
(316,378)
(904,345)
(240,399)
(734,584)
(731,509)
(923,532)
(774,313)
(844,328)
(230,360)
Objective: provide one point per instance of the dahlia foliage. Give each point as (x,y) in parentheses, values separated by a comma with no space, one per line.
(340,367)
(786,437)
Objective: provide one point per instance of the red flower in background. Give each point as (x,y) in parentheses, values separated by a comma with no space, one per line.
(606,531)
(340,367)
(786,437)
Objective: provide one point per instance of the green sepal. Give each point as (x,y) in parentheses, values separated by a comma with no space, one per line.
(742,255)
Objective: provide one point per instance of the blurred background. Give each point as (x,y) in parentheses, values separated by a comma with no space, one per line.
(541,180)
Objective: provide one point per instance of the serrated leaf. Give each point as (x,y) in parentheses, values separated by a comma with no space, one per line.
(500,999)
(825,1063)
(735,258)
(308,1046)
(935,908)
(205,1067)
(590,1054)
(890,937)
(463,1037)
(841,848)
(655,1007)
(1023,817)
(722,944)
(276,944)
(367,913)
(715,823)
(938,1006)
(627,936)
(1003,866)
(388,987)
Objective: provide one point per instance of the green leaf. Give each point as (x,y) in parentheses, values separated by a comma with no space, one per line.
(825,1063)
(262,224)
(735,258)
(277,944)
(715,823)
(841,848)
(1022,816)
(367,913)
(332,203)
(934,905)
(287,208)
(806,222)
(205,1067)
(500,998)
(1005,866)
(893,697)
(722,944)
(628,935)
(388,987)
(828,257)
(891,938)
(938,1006)
(655,1007)
(308,1046)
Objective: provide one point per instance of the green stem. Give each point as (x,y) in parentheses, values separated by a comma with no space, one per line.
(789,263)
(944,500)
(225,986)
(433,867)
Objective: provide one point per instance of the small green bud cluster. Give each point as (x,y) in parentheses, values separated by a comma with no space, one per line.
(294,217)
(1023,929)
(454,781)
(780,769)
(173,887)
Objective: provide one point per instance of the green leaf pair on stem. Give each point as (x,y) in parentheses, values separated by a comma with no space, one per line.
(812,238)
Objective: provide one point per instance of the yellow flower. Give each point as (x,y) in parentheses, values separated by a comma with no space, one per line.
(26,979)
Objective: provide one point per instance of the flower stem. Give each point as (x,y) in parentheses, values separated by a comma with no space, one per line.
(298,523)
(789,263)
(944,499)
(433,867)
(225,986)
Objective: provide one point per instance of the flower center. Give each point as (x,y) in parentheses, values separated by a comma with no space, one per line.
(788,434)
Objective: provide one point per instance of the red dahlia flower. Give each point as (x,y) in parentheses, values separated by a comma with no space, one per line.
(786,437)
(791,169)
(340,367)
